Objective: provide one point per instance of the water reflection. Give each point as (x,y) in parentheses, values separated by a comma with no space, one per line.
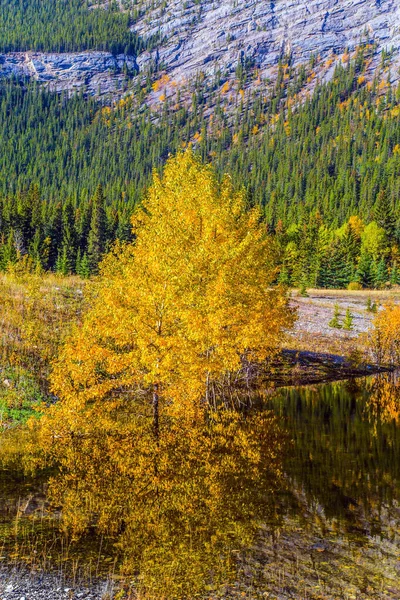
(346,456)
(239,495)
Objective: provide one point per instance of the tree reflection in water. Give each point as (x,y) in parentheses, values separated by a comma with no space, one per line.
(180,507)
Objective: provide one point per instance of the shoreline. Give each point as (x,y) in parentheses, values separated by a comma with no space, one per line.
(304,367)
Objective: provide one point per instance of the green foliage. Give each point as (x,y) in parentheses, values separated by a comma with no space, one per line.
(19,394)
(303,291)
(334,322)
(371,306)
(354,286)
(64,26)
(36,312)
(348,320)
(335,215)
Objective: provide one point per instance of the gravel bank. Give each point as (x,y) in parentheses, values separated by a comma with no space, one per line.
(16,584)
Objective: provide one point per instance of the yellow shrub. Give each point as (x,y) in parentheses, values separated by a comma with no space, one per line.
(384,338)
(354,286)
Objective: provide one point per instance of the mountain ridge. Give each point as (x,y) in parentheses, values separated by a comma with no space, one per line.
(197,36)
(209,36)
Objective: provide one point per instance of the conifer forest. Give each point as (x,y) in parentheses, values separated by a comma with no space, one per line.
(199,300)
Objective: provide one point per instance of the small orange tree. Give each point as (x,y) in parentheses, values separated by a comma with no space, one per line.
(384,337)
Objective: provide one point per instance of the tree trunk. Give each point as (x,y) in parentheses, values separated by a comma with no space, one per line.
(156,415)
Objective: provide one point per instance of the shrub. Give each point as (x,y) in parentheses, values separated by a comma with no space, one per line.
(354,286)
(384,337)
(334,322)
(348,321)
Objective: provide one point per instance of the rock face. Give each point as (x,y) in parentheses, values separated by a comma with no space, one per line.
(97,72)
(211,34)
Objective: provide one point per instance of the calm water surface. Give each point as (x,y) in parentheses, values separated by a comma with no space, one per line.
(335,529)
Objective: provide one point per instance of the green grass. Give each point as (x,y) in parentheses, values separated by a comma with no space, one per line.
(20,396)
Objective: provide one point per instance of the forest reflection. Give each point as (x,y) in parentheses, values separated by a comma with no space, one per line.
(180,507)
(179,512)
(345,463)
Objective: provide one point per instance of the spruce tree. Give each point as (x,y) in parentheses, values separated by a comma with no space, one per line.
(84,270)
(383,213)
(334,322)
(348,320)
(381,274)
(364,273)
(97,233)
(394,274)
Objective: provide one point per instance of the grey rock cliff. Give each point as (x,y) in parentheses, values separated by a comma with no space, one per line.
(215,33)
(97,72)
(210,35)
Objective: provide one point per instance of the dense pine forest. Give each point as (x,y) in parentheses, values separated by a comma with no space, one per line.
(64,26)
(322,170)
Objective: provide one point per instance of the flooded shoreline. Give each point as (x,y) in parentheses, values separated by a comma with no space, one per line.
(332,528)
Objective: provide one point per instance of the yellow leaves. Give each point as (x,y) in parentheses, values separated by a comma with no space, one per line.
(35,314)
(197,136)
(185,303)
(173,319)
(275,118)
(383,85)
(344,105)
(384,338)
(311,77)
(161,83)
(182,503)
(226,87)
(356,224)
(383,402)
(395,112)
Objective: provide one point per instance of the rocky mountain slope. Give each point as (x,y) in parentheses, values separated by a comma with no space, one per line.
(96,72)
(217,33)
(210,35)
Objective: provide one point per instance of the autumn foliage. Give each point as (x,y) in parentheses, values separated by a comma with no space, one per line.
(185,304)
(143,450)
(384,337)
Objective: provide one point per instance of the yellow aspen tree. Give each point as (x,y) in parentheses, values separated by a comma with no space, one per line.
(185,304)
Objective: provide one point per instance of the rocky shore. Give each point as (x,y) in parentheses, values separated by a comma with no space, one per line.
(21,584)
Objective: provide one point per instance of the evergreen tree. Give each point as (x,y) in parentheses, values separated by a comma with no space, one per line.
(364,274)
(381,274)
(97,233)
(383,213)
(83,267)
(348,320)
(395,274)
(334,322)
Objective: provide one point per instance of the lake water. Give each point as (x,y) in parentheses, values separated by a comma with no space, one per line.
(330,529)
